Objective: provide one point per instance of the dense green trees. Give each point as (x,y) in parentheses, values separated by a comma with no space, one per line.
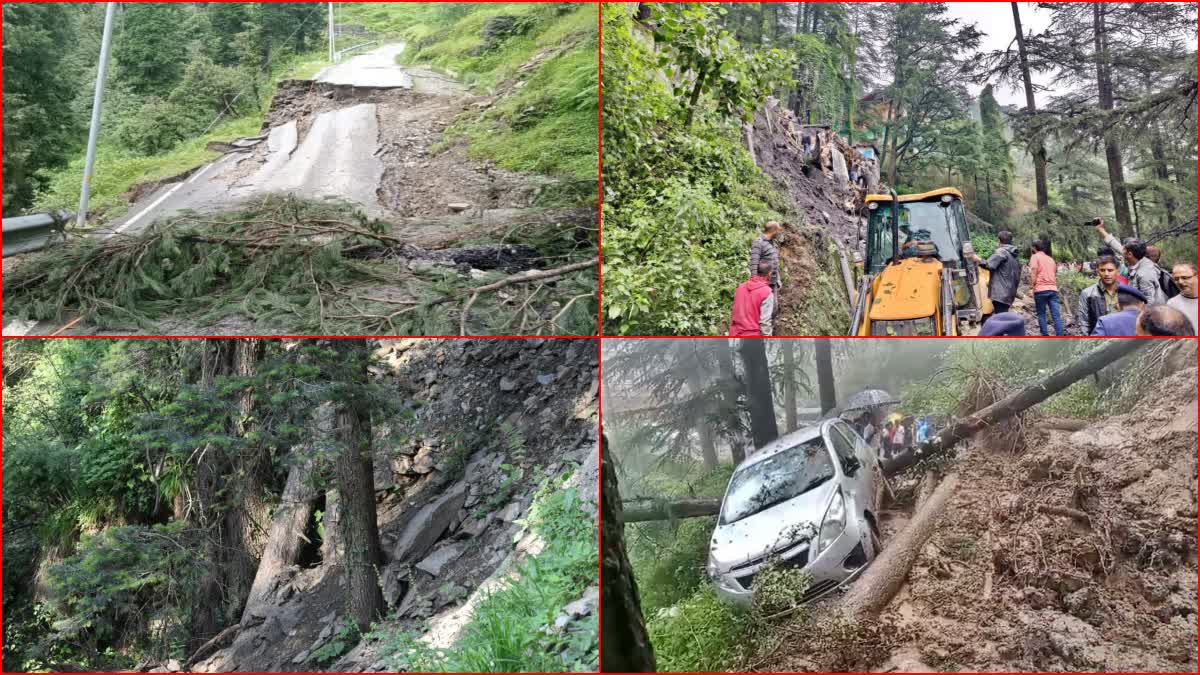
(177,67)
(38,83)
(140,477)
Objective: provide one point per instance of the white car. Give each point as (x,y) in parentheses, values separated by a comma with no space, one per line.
(806,500)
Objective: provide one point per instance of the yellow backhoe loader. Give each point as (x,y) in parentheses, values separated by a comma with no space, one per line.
(918,276)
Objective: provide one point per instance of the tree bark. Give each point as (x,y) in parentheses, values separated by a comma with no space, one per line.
(287,534)
(708,449)
(789,385)
(626,645)
(637,512)
(758,391)
(1019,400)
(1037,148)
(825,383)
(729,392)
(246,514)
(1112,150)
(887,572)
(355,479)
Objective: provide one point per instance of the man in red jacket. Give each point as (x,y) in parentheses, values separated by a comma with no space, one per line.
(753,305)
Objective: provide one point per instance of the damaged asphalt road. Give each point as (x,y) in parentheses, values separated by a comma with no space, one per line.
(335,158)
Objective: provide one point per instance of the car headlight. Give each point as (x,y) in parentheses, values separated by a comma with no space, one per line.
(833,524)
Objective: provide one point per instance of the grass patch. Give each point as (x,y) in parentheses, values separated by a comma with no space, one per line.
(117,170)
(513,628)
(700,634)
(549,125)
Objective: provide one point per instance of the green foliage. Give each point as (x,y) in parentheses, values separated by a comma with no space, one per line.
(985,243)
(701,634)
(151,51)
(779,589)
(512,629)
(121,582)
(157,127)
(346,637)
(681,204)
(37,81)
(669,558)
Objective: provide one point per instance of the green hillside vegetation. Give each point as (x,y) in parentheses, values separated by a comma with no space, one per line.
(549,124)
(181,75)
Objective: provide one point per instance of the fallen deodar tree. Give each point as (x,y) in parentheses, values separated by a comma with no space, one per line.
(1018,401)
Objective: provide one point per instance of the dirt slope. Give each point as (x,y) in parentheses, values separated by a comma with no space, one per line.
(1077,553)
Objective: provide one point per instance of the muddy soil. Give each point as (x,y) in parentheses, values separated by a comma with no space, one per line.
(1075,553)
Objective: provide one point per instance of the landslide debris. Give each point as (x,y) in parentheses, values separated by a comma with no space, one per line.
(1076,551)
(490,421)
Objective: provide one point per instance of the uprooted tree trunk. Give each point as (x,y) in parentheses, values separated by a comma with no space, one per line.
(875,588)
(286,538)
(964,428)
(1016,402)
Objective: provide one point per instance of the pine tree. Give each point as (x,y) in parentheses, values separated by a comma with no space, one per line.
(151,50)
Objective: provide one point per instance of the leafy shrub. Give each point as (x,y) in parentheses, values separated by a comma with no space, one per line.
(158,127)
(123,581)
(700,634)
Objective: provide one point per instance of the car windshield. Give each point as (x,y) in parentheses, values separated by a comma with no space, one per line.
(919,221)
(776,479)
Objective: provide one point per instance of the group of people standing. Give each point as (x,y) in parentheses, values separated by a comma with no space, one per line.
(898,434)
(1133,295)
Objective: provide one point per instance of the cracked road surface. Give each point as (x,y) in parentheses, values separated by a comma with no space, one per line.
(337,158)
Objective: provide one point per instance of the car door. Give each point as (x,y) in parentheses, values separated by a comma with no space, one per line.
(871,473)
(861,485)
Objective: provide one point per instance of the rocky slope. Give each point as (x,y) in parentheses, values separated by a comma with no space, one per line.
(488,422)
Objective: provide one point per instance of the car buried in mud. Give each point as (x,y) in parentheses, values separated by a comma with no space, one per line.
(807,500)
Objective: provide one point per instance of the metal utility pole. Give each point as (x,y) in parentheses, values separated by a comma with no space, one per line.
(332,53)
(97,100)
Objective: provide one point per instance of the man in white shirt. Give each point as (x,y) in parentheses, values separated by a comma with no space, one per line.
(1184,275)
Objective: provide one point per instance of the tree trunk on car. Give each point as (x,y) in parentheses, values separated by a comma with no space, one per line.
(636,512)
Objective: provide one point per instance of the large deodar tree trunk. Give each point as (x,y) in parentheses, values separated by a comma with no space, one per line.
(825,384)
(1037,147)
(758,391)
(1104,86)
(626,646)
(354,472)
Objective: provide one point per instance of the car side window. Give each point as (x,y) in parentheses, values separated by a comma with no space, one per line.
(842,444)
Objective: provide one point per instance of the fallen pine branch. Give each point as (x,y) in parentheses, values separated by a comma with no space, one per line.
(521,278)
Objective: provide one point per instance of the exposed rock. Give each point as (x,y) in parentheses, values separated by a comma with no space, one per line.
(427,526)
(458,207)
(301,657)
(423,463)
(173,666)
(545,379)
(473,527)
(393,586)
(507,384)
(434,562)
(510,512)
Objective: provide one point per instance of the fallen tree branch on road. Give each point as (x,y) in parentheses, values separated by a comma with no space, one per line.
(521,278)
